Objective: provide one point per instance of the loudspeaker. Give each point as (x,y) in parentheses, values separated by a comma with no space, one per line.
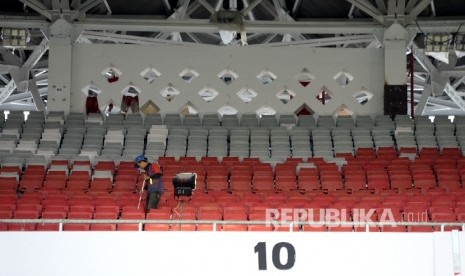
(184,184)
(395,99)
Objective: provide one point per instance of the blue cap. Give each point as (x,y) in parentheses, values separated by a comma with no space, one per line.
(139,158)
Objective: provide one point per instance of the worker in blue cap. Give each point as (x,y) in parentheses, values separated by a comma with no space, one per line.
(152,183)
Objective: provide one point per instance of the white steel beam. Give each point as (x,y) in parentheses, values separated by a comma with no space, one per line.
(25,95)
(351,11)
(381,6)
(433,9)
(109,12)
(233,5)
(296,7)
(437,101)
(419,8)
(400,8)
(10,59)
(4,79)
(249,7)
(38,7)
(179,14)
(423,59)
(322,42)
(207,6)
(282,3)
(35,56)
(85,7)
(219,5)
(278,8)
(410,6)
(29,22)
(75,4)
(60,5)
(118,38)
(391,7)
(270,9)
(423,101)
(83,40)
(181,10)
(6,91)
(42,65)
(458,82)
(432,111)
(204,26)
(167,6)
(283,15)
(193,8)
(457,99)
(453,73)
(20,106)
(368,8)
(439,79)
(36,95)
(194,38)
(310,26)
(270,38)
(250,14)
(373,44)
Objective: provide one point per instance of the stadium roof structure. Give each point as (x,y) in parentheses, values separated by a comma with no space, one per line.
(439,78)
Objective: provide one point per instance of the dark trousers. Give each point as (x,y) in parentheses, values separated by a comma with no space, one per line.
(152,200)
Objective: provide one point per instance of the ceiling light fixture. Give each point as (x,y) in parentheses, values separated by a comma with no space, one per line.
(15,37)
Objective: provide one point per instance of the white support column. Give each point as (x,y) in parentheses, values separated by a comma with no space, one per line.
(60,58)
(395,64)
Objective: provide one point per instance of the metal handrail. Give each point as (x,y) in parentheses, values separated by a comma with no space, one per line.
(291,224)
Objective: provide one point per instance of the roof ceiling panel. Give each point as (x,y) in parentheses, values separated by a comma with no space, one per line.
(137,7)
(449,7)
(323,9)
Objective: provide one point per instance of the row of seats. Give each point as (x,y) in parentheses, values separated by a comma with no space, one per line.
(358,174)
(308,210)
(249,120)
(364,172)
(92,136)
(431,202)
(274,145)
